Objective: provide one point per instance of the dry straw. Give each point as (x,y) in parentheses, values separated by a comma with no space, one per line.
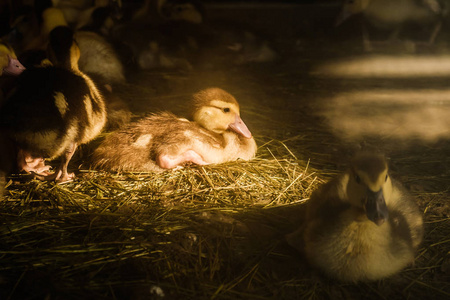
(193,233)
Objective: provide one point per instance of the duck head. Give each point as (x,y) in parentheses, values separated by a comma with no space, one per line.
(218,111)
(9,64)
(62,49)
(369,186)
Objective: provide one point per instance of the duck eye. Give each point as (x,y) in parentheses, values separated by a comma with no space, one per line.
(226,109)
(357,179)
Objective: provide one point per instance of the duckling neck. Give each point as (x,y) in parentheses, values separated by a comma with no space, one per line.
(237,145)
(230,137)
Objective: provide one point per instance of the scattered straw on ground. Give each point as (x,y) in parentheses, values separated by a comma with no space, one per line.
(193,233)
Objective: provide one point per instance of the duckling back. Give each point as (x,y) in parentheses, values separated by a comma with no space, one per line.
(140,145)
(9,65)
(136,147)
(49,107)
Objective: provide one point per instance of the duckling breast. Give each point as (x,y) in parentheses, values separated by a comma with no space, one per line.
(235,146)
(355,251)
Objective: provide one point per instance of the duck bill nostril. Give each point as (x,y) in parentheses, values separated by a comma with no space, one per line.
(376,209)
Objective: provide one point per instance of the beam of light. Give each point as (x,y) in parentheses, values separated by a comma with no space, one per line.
(404,115)
(387,66)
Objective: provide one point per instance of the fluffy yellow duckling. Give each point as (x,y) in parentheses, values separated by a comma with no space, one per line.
(163,141)
(53,110)
(362,225)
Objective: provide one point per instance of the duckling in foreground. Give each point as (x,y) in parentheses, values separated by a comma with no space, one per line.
(53,110)
(164,141)
(362,225)
(98,58)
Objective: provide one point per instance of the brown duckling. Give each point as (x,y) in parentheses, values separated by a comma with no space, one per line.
(53,110)
(395,17)
(164,141)
(362,225)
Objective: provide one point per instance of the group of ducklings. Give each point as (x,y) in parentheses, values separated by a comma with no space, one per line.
(70,108)
(360,226)
(56,107)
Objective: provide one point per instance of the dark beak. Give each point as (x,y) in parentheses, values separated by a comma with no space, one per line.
(376,209)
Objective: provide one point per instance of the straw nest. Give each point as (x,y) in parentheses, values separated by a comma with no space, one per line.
(107,235)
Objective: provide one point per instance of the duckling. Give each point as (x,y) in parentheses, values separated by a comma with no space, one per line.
(10,68)
(392,15)
(98,58)
(53,110)
(164,141)
(241,46)
(100,19)
(73,10)
(50,18)
(362,225)
(7,160)
(183,10)
(9,64)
